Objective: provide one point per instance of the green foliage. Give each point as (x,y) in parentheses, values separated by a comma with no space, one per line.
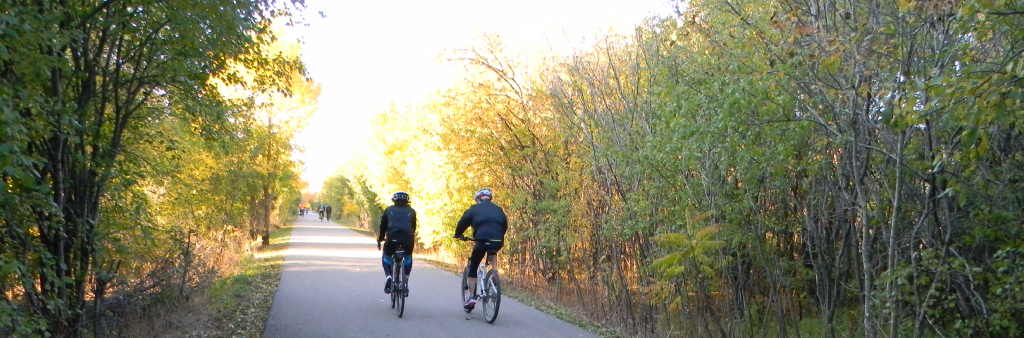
(695,247)
(118,148)
(694,252)
(353,198)
(339,192)
(1007,297)
(866,157)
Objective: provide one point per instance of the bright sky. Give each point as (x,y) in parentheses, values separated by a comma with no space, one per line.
(367,54)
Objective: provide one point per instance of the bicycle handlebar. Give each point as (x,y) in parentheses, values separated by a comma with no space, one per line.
(464,238)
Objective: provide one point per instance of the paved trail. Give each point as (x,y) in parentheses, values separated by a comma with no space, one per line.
(333,286)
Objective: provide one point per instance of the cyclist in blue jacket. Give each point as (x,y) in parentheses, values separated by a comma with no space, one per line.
(397,227)
(489,224)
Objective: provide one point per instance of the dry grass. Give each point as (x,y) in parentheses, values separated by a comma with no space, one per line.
(241,303)
(432,257)
(236,305)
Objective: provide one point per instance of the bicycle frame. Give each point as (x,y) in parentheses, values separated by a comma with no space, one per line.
(488,285)
(481,270)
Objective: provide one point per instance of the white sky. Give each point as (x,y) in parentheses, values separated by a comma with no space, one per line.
(369,53)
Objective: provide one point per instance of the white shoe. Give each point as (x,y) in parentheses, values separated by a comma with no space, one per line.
(470,303)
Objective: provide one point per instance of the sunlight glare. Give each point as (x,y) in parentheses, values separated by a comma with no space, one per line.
(369,54)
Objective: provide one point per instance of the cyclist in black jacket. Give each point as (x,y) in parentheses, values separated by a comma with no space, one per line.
(397,227)
(489,225)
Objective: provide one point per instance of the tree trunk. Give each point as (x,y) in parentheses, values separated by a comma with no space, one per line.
(266,215)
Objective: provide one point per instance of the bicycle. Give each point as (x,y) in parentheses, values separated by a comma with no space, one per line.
(399,287)
(488,284)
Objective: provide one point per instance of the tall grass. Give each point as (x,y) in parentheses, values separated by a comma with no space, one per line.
(234,304)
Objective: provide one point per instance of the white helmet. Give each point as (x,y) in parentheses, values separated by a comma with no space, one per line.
(483,194)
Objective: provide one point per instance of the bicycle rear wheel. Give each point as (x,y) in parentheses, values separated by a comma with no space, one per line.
(398,289)
(466,292)
(394,281)
(492,296)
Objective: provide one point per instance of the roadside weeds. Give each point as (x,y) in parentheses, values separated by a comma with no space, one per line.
(241,303)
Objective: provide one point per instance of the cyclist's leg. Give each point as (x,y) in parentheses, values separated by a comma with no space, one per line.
(492,259)
(387,261)
(479,250)
(471,276)
(492,248)
(409,244)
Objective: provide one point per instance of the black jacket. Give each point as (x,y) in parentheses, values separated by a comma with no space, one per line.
(487,219)
(397,220)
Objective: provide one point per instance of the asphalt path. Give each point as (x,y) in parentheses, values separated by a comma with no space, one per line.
(333,286)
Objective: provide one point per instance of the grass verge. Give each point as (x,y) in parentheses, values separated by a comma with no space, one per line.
(365,232)
(560,313)
(241,303)
(541,305)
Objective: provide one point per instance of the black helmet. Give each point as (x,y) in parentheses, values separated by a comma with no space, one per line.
(400,196)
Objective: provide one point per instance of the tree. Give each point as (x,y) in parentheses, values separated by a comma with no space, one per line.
(864,154)
(77,77)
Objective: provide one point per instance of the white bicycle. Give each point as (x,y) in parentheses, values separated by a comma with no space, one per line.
(488,284)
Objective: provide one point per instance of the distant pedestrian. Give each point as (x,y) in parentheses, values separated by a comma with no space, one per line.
(328,212)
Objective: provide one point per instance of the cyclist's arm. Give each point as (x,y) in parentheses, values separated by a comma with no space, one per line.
(464,222)
(383,227)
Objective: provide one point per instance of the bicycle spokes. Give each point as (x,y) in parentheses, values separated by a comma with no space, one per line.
(491,296)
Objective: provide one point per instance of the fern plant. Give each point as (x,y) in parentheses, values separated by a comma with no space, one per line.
(692,251)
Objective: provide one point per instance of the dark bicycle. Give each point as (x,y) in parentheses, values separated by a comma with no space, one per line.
(488,284)
(399,286)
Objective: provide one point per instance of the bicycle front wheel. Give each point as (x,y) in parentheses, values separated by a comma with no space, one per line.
(492,296)
(466,292)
